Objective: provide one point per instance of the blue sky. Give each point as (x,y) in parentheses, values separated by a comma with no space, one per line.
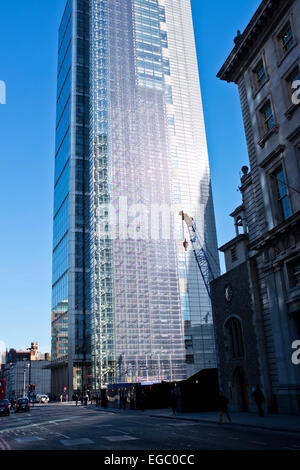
(28,38)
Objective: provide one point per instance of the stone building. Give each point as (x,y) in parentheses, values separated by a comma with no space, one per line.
(26,367)
(265,65)
(234,322)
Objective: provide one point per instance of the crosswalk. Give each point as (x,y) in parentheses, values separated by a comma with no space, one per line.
(87,429)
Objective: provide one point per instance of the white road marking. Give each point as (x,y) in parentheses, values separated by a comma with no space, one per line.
(76,442)
(29,439)
(259,443)
(32,425)
(100,426)
(120,438)
(181,424)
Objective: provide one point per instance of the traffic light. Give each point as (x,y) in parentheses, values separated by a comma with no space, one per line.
(29,388)
(33,387)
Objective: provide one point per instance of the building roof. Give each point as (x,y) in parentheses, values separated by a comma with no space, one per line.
(234,241)
(247,43)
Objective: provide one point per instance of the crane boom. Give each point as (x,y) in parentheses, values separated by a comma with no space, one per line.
(199,251)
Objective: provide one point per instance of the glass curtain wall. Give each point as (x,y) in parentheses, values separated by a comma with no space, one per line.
(138,328)
(70,293)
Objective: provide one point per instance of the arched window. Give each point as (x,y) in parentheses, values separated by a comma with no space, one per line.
(234,334)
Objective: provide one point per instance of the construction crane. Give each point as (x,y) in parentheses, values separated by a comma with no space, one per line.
(199,251)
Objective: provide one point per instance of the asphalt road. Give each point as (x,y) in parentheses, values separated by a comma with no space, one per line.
(67,427)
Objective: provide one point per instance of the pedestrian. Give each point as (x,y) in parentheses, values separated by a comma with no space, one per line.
(86,400)
(123,400)
(132,403)
(76,399)
(223,408)
(61,398)
(142,400)
(104,399)
(259,400)
(173,401)
(81,399)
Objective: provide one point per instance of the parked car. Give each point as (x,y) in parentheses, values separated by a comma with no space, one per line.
(4,408)
(43,398)
(22,404)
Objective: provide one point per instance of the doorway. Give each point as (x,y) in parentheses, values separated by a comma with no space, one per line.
(239,390)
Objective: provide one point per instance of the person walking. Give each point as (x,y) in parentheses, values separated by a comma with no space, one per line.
(259,400)
(76,399)
(223,408)
(104,400)
(142,400)
(173,401)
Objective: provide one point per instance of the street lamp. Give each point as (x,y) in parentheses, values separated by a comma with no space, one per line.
(24,383)
(29,349)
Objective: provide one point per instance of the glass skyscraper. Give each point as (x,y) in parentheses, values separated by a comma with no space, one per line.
(129,303)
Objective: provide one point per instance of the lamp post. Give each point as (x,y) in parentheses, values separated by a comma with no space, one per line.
(24,382)
(29,378)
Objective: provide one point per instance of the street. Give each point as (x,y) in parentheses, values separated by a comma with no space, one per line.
(67,427)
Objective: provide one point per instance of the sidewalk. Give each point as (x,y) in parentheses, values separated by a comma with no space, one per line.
(282,423)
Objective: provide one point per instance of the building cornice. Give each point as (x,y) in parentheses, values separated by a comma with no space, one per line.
(242,236)
(269,237)
(249,42)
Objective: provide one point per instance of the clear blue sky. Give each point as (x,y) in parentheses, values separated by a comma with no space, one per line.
(28,38)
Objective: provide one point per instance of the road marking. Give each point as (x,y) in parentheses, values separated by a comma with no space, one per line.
(61,435)
(29,439)
(181,424)
(32,425)
(100,426)
(120,438)
(259,443)
(4,445)
(76,442)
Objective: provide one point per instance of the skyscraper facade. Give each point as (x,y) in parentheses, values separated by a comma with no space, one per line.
(131,154)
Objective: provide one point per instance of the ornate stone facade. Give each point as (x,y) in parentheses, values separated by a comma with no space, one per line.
(265,64)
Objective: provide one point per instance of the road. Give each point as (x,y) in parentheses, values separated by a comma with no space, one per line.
(67,427)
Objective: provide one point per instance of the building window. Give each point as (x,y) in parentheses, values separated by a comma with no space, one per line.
(233,254)
(267,116)
(189,359)
(188,341)
(281,195)
(260,74)
(235,344)
(293,269)
(286,38)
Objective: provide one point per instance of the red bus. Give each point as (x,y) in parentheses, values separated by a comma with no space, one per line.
(2,389)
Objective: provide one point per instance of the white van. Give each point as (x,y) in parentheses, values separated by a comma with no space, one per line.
(43,398)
